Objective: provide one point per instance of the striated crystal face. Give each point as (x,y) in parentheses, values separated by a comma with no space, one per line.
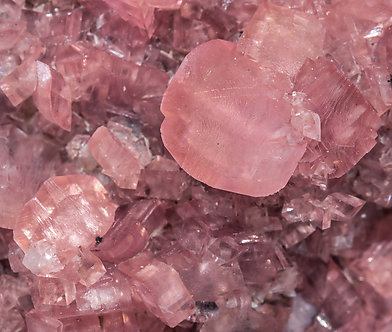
(343,112)
(160,288)
(296,41)
(218,94)
(46,228)
(62,204)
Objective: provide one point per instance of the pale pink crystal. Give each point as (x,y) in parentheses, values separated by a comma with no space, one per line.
(52,96)
(45,228)
(336,206)
(10,31)
(133,140)
(118,159)
(55,291)
(162,179)
(77,151)
(348,122)
(375,267)
(82,266)
(37,322)
(282,38)
(21,83)
(112,292)
(228,128)
(137,12)
(129,235)
(301,316)
(21,156)
(160,288)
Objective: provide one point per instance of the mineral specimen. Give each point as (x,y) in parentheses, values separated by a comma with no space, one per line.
(108,221)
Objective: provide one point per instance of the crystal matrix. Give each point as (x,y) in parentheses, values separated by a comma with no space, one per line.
(105,226)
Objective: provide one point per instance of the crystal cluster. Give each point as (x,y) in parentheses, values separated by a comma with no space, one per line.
(195,165)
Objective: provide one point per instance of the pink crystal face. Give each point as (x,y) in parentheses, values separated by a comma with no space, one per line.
(160,288)
(116,160)
(227,127)
(45,228)
(21,83)
(38,322)
(21,156)
(375,267)
(129,235)
(52,96)
(343,114)
(281,38)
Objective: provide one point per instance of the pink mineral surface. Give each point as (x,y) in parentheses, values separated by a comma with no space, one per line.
(195,165)
(217,95)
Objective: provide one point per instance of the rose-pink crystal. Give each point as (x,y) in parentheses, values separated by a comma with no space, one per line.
(53,96)
(282,38)
(302,75)
(45,228)
(160,288)
(116,160)
(21,156)
(129,235)
(37,322)
(348,122)
(227,122)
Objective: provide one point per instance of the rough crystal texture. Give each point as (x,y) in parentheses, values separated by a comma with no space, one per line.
(212,99)
(45,228)
(296,42)
(21,158)
(160,288)
(343,114)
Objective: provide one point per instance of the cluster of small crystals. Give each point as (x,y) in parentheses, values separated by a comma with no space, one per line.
(101,230)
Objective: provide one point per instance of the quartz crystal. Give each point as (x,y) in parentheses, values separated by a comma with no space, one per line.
(195,165)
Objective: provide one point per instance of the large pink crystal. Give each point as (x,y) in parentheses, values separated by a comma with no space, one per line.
(227,123)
